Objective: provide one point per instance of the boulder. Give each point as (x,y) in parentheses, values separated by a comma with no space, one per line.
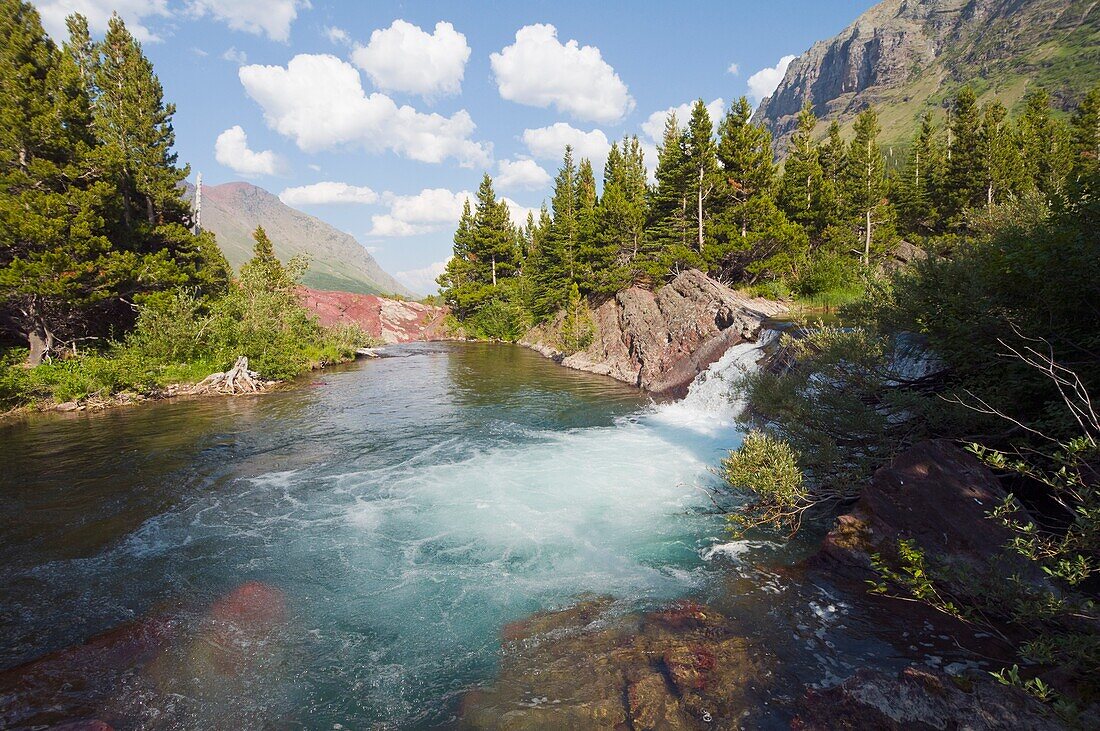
(661,340)
(920,699)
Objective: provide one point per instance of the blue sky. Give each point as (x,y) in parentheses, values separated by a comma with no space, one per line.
(377,117)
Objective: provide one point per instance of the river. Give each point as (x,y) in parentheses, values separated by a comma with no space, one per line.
(407,508)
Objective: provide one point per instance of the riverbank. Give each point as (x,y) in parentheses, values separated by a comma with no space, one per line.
(661,340)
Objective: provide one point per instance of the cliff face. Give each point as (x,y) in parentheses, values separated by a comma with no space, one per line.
(338,262)
(389,320)
(661,340)
(907,56)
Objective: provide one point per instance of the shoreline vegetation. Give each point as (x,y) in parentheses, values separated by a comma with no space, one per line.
(108,292)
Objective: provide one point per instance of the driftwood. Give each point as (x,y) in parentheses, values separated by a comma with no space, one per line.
(366,353)
(237,380)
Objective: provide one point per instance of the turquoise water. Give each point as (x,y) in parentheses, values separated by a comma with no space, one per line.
(407,507)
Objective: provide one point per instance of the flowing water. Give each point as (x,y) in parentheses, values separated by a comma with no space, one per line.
(407,507)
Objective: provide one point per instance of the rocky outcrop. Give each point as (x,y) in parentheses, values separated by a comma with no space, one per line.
(389,320)
(938,496)
(584,668)
(904,56)
(661,340)
(919,699)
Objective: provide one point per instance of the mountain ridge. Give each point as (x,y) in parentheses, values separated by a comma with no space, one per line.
(338,262)
(906,57)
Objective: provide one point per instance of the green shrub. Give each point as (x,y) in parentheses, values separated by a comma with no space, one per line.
(768,467)
(577,329)
(15,384)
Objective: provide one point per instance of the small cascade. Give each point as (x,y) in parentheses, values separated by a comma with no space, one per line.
(710,404)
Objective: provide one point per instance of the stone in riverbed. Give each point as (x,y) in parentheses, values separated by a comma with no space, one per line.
(919,699)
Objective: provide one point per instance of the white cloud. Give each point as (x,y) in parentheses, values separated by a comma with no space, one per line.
(539,71)
(526,174)
(339,36)
(764,81)
(410,215)
(548,143)
(734,69)
(423,280)
(519,212)
(328,192)
(199,52)
(238,57)
(98,12)
(654,126)
(319,102)
(268,17)
(405,58)
(231,149)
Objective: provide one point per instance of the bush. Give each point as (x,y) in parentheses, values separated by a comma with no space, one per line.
(15,384)
(577,329)
(769,468)
(500,320)
(827,273)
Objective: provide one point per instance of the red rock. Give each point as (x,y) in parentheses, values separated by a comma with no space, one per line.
(392,321)
(254,604)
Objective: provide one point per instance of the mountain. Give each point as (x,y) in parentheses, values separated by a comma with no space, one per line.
(907,56)
(338,262)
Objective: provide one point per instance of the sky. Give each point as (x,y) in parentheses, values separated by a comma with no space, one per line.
(381,117)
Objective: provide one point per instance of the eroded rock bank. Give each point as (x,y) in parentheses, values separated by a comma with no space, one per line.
(661,340)
(389,320)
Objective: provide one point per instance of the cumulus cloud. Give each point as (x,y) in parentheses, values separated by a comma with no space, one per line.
(339,36)
(764,81)
(319,102)
(539,71)
(548,143)
(234,56)
(429,210)
(231,149)
(136,13)
(405,58)
(526,174)
(654,126)
(328,192)
(423,281)
(734,69)
(519,212)
(259,17)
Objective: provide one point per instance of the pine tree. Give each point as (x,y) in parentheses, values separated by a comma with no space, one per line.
(801,182)
(748,170)
(134,124)
(1086,135)
(1002,164)
(458,282)
(920,179)
(701,162)
(964,184)
(492,240)
(1046,145)
(577,328)
(668,202)
(592,260)
(833,157)
(620,229)
(865,184)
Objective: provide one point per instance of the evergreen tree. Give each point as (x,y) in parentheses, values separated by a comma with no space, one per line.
(1086,136)
(492,240)
(620,229)
(748,170)
(577,328)
(668,202)
(800,186)
(458,282)
(964,184)
(1001,158)
(920,179)
(865,183)
(833,157)
(134,125)
(592,259)
(1085,131)
(555,268)
(701,162)
(1046,145)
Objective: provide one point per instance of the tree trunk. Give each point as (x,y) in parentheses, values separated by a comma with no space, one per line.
(867,242)
(700,209)
(494,270)
(39,337)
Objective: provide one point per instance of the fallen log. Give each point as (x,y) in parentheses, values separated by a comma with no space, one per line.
(237,380)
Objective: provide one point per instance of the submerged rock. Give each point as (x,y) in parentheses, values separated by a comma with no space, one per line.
(661,340)
(583,667)
(919,699)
